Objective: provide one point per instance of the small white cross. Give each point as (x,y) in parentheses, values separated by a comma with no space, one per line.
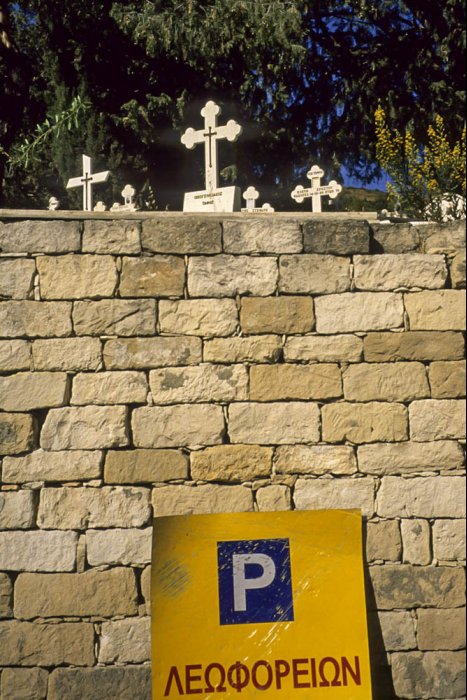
(211,134)
(316,191)
(86,181)
(251,195)
(128,194)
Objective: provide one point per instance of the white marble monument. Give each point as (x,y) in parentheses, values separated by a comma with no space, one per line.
(86,181)
(213,198)
(250,196)
(129,204)
(317,190)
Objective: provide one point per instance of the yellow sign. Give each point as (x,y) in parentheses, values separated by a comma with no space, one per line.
(260,605)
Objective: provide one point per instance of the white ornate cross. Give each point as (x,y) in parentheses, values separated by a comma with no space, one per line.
(317,190)
(211,134)
(86,181)
(251,195)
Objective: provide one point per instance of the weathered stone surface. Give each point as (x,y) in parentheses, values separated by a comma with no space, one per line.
(35,319)
(447,379)
(6,596)
(182,235)
(38,551)
(109,388)
(82,508)
(324,348)
(144,466)
(458,270)
(126,641)
(30,644)
(431,497)
(17,510)
(438,674)
(398,631)
(405,457)
(113,683)
(434,419)
(322,494)
(86,428)
(443,238)
(229,275)
(231,463)
(76,276)
(188,500)
(103,593)
(288,381)
(178,426)
(274,497)
(397,238)
(14,355)
(112,237)
(72,465)
(337,238)
(67,354)
(416,536)
(159,276)
(204,317)
(118,546)
(313,274)
(441,629)
(39,237)
(17,433)
(199,384)
(383,541)
(449,539)
(413,345)
(362,311)
(262,236)
(16,278)
(406,586)
(442,310)
(146,586)
(146,353)
(28,391)
(315,459)
(364,422)
(261,348)
(277,315)
(274,423)
(115,317)
(401,381)
(24,684)
(387,272)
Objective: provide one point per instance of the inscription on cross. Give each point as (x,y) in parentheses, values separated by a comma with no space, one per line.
(317,190)
(86,181)
(251,195)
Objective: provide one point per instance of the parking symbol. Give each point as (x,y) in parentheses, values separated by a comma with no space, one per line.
(255,581)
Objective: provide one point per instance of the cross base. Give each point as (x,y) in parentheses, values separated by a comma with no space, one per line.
(222,199)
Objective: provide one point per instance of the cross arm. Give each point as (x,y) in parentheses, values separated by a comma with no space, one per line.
(191,138)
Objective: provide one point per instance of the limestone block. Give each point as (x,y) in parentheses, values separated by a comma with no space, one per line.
(189,500)
(109,388)
(67,354)
(439,674)
(458,270)
(387,272)
(75,465)
(112,237)
(126,641)
(449,539)
(85,428)
(401,381)
(441,629)
(158,276)
(115,317)
(183,235)
(199,384)
(442,310)
(6,596)
(144,466)
(383,541)
(28,391)
(361,311)
(17,510)
(398,631)
(289,381)
(430,497)
(315,459)
(229,275)
(447,379)
(437,420)
(262,236)
(260,348)
(103,593)
(108,683)
(413,345)
(407,586)
(31,644)
(14,355)
(39,237)
(274,497)
(35,319)
(76,276)
(16,278)
(406,457)
(443,238)
(336,237)
(17,433)
(324,348)
(146,353)
(323,494)
(24,684)
(274,423)
(313,274)
(146,586)
(82,508)
(231,463)
(364,422)
(38,550)
(277,315)
(203,317)
(416,538)
(119,547)
(397,238)
(178,426)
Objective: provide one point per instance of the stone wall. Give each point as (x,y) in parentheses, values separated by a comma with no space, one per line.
(170,364)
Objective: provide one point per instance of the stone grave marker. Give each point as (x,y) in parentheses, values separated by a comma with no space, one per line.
(86,181)
(317,190)
(129,204)
(251,195)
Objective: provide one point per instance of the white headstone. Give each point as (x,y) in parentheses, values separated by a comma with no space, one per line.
(317,190)
(100,206)
(86,181)
(251,195)
(53,204)
(128,194)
